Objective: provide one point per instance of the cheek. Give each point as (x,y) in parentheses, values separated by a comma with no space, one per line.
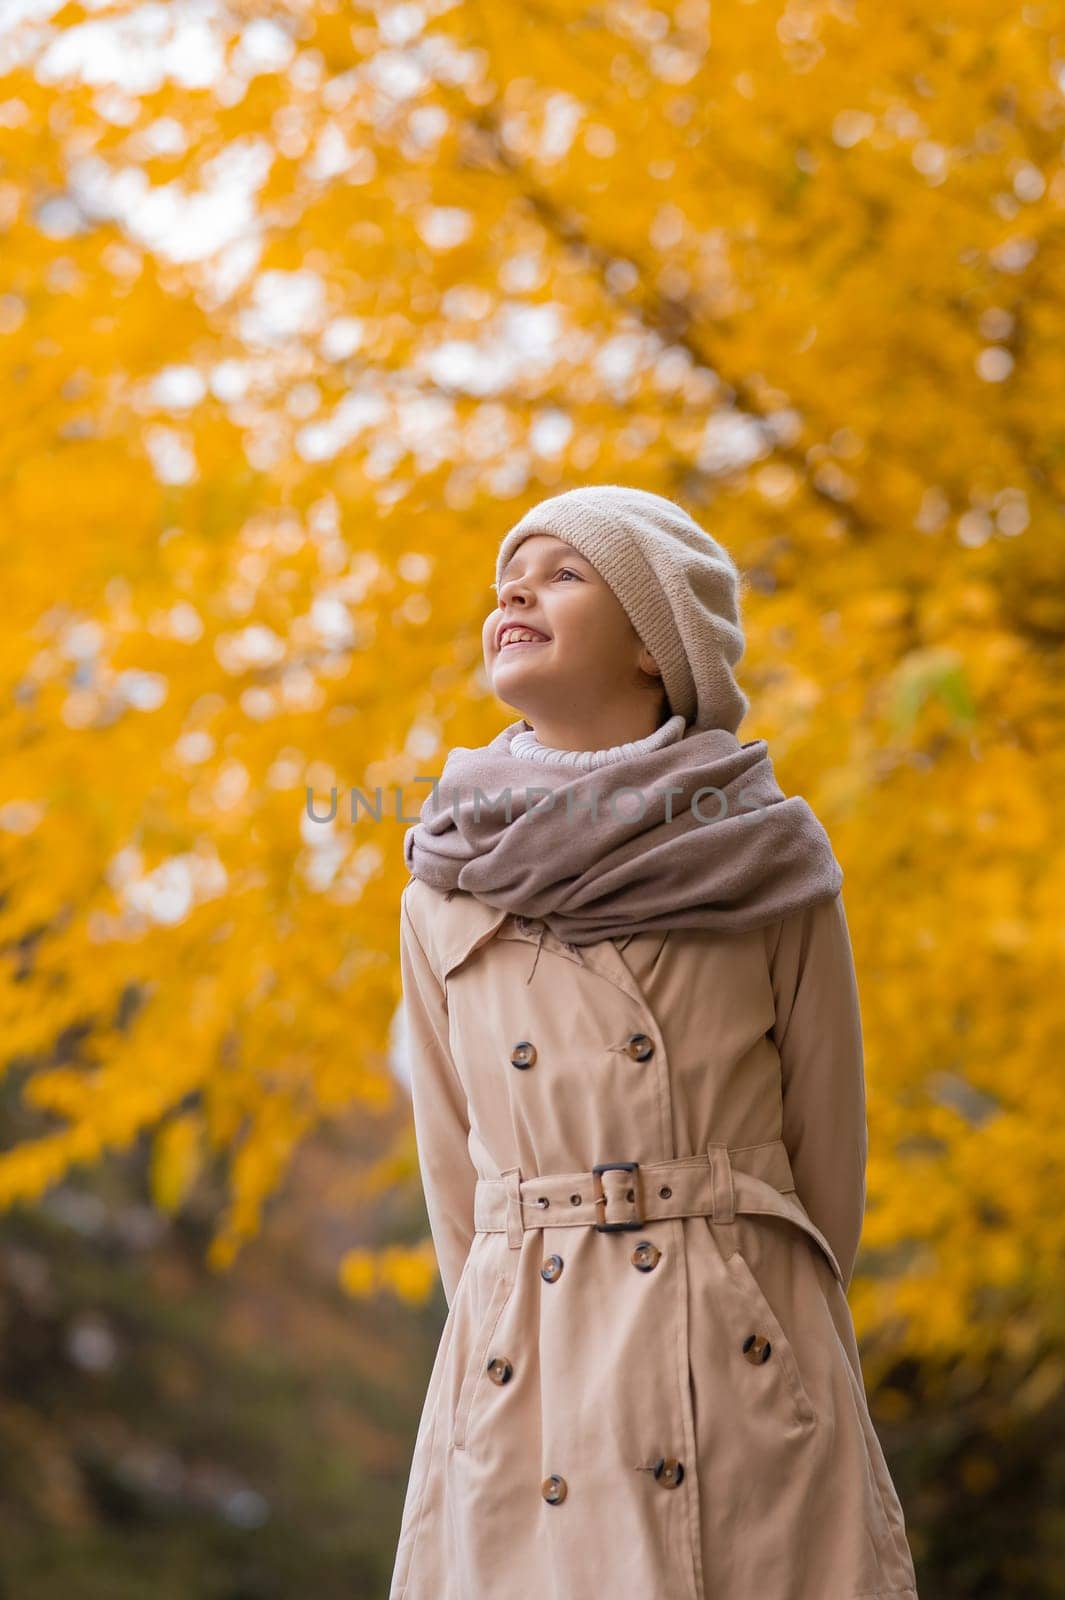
(594,640)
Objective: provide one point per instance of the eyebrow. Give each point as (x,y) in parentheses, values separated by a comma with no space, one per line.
(559,555)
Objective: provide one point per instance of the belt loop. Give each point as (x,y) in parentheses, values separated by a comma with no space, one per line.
(515,1217)
(721,1182)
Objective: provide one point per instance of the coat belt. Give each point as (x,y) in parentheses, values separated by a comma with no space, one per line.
(616,1196)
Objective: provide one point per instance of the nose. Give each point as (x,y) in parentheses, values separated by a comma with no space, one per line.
(512,589)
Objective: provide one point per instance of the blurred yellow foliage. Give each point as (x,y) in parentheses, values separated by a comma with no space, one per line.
(290,335)
(177,1156)
(409,1274)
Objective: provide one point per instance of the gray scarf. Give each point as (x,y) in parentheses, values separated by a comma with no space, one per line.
(593,860)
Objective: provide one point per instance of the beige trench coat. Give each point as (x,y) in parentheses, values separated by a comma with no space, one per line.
(675,1410)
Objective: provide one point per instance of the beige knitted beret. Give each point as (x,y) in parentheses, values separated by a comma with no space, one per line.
(679,587)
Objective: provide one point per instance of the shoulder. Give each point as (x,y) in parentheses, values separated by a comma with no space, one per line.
(420,910)
(823,921)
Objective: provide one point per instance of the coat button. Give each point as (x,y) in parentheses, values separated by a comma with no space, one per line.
(553,1489)
(639,1047)
(551,1269)
(756,1348)
(500,1370)
(669,1471)
(646,1255)
(523,1054)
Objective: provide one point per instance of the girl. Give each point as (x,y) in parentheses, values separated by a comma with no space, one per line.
(639,1102)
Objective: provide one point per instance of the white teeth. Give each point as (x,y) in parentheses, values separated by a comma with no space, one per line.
(513,635)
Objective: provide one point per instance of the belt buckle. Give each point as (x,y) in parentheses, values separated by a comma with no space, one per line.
(600,1199)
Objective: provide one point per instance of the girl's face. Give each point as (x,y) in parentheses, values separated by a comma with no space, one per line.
(586,659)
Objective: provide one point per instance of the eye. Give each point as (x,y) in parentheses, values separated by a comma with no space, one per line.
(572,574)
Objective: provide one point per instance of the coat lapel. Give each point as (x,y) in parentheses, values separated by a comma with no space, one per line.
(466,923)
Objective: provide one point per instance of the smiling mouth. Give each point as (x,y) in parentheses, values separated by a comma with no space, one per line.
(509,644)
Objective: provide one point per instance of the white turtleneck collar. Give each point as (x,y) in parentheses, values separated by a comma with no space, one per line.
(525,743)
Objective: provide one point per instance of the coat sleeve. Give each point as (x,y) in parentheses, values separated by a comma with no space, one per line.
(818,1034)
(441,1114)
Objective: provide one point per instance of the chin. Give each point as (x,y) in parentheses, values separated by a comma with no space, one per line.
(510,695)
(509,676)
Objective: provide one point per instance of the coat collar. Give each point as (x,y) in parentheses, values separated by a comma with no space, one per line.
(464,923)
